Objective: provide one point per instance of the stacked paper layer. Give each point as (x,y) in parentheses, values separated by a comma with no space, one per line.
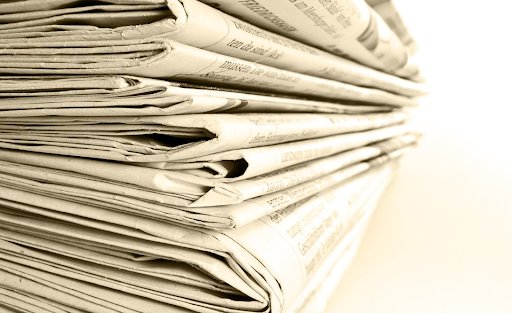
(163,156)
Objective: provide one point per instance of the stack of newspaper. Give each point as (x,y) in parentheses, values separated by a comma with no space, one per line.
(164,156)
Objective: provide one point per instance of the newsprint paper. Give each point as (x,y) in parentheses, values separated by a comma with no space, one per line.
(159,57)
(178,137)
(121,193)
(192,23)
(118,262)
(122,95)
(350,28)
(74,184)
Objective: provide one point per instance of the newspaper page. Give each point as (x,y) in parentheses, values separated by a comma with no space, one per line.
(201,26)
(56,189)
(304,172)
(307,232)
(390,14)
(163,289)
(313,297)
(17,6)
(246,292)
(242,164)
(181,189)
(121,95)
(171,182)
(18,301)
(40,17)
(24,6)
(260,46)
(349,28)
(14,302)
(80,296)
(232,166)
(157,57)
(247,211)
(244,280)
(56,194)
(169,138)
(316,301)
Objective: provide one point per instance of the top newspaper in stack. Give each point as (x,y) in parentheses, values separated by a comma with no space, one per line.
(389,13)
(194,24)
(345,27)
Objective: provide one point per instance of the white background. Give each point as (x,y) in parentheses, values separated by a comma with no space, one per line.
(441,238)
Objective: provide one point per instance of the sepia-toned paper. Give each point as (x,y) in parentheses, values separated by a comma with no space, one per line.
(121,95)
(159,57)
(225,205)
(246,275)
(348,28)
(170,138)
(389,13)
(198,25)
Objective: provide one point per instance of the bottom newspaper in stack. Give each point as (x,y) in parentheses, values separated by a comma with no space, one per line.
(61,262)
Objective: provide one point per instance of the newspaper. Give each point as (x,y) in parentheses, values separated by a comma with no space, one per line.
(311,235)
(389,13)
(158,57)
(242,164)
(169,138)
(56,190)
(313,297)
(349,28)
(247,211)
(24,6)
(121,262)
(121,95)
(198,25)
(15,301)
(277,172)
(303,172)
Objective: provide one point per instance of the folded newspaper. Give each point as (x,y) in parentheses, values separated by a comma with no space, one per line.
(158,57)
(77,184)
(121,95)
(170,138)
(389,13)
(109,261)
(349,28)
(189,22)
